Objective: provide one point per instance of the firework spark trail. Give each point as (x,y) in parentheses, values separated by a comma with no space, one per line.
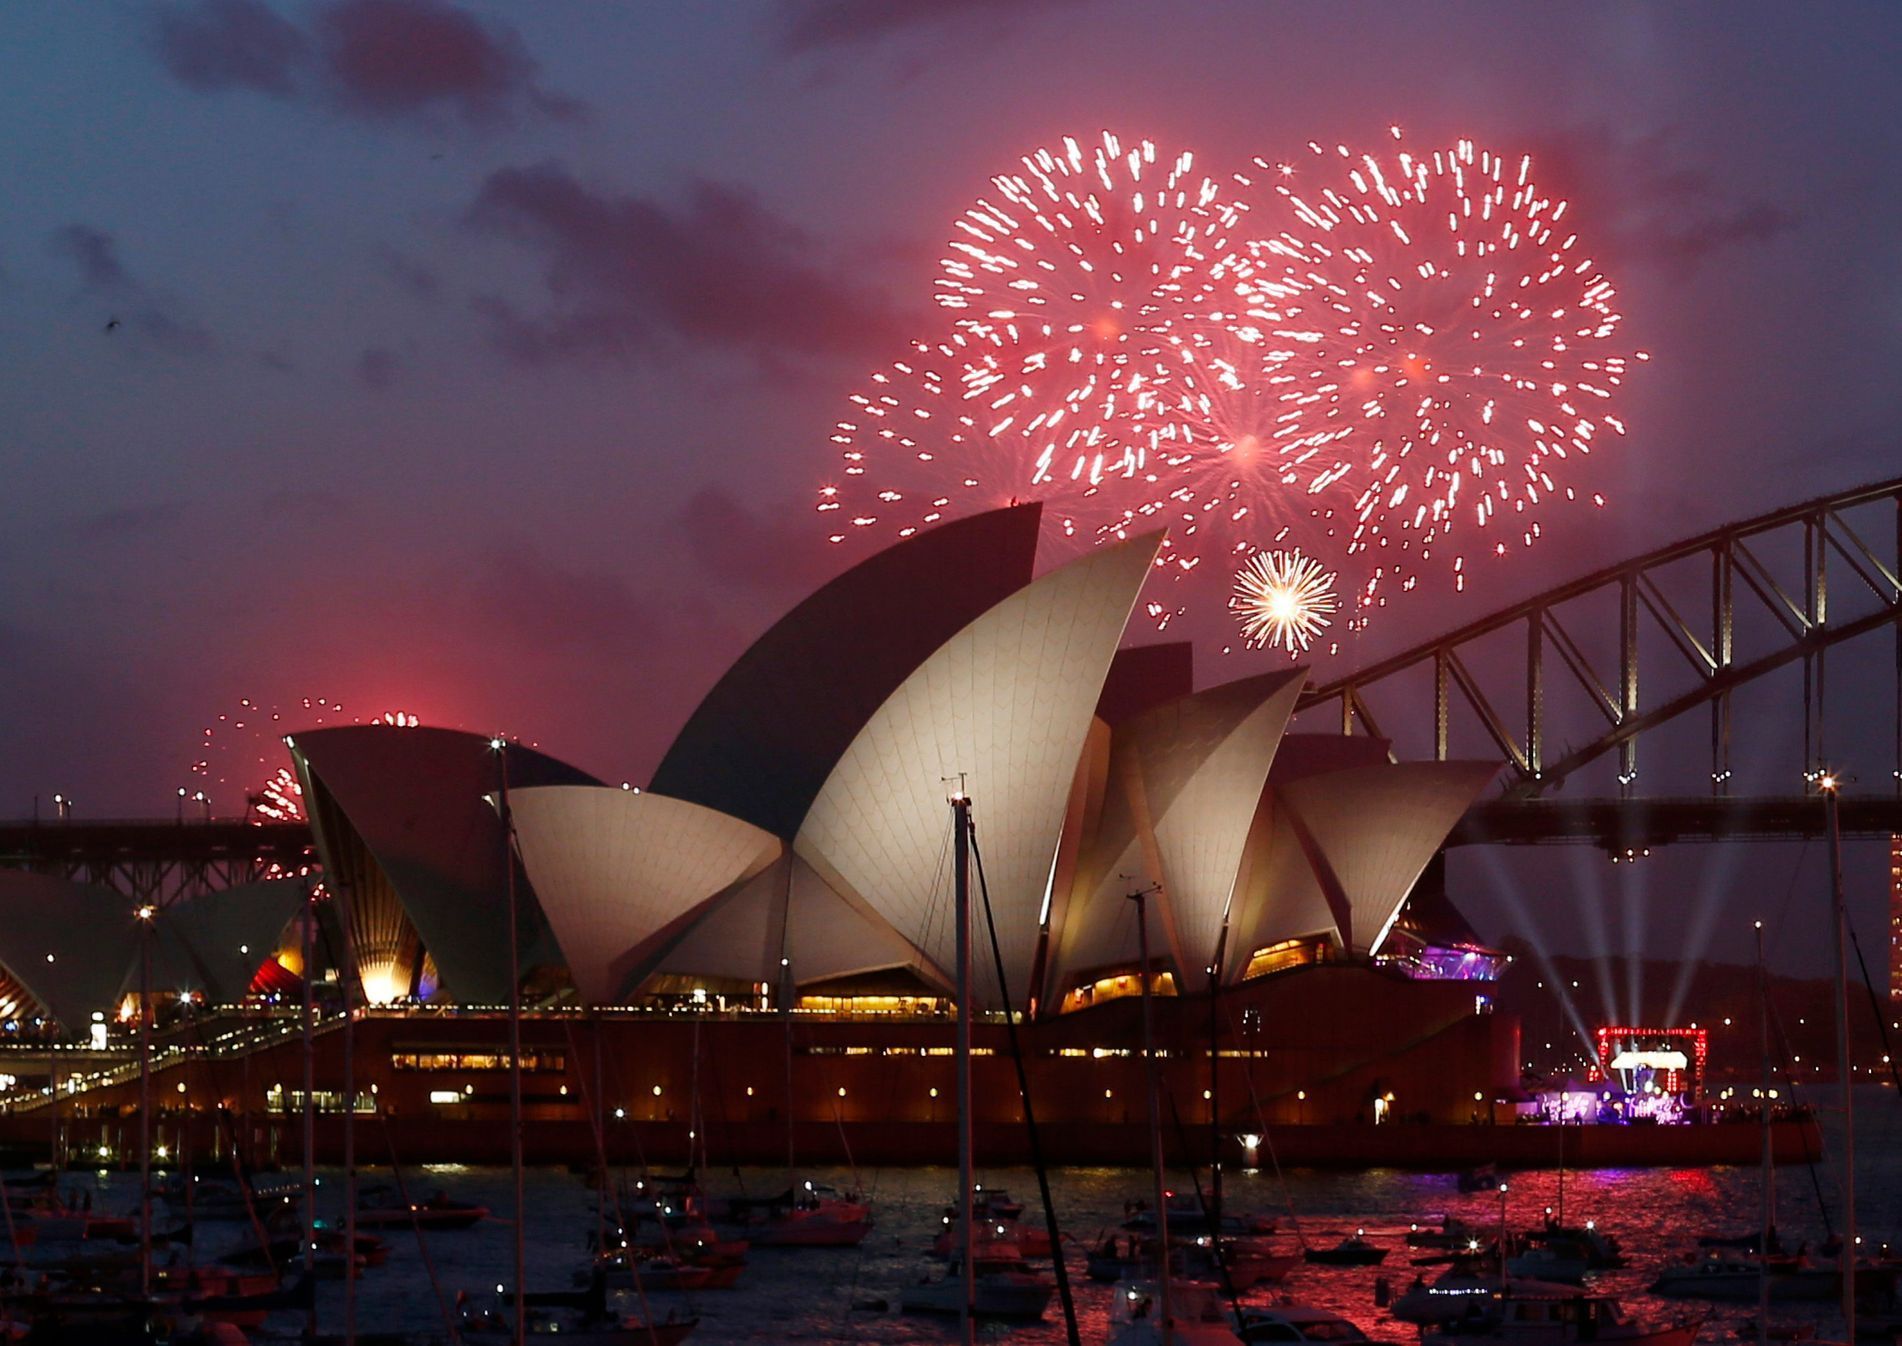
(911,425)
(1415,343)
(1452,349)
(1064,286)
(240,755)
(1283,600)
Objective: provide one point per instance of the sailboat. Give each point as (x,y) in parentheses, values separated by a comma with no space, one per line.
(988,1280)
(583,1319)
(1186,1314)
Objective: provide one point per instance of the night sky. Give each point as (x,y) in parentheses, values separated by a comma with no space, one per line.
(478,361)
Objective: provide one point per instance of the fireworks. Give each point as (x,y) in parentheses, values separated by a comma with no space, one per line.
(1452,350)
(1064,287)
(1283,600)
(241,755)
(1405,348)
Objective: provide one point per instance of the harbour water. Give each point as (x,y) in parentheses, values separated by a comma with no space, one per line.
(808,1295)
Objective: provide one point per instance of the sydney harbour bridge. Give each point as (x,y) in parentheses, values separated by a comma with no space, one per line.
(1590,694)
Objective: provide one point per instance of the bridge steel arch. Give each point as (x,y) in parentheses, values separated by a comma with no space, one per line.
(1650,594)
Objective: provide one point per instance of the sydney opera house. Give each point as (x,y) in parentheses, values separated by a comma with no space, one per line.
(761,937)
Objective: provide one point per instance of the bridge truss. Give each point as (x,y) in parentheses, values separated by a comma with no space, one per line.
(1689,625)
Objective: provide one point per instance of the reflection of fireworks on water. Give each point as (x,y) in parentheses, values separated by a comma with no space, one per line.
(1452,351)
(1063,287)
(1283,600)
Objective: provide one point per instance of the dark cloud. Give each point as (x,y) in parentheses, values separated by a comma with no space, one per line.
(95,254)
(381,59)
(1746,225)
(758,549)
(809,25)
(157,516)
(1648,203)
(418,279)
(174,334)
(526,602)
(378,368)
(629,272)
(230,44)
(399,58)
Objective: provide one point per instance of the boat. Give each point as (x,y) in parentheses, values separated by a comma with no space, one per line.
(1452,1233)
(382,1207)
(1485,1178)
(1248,1263)
(1002,1286)
(1742,1279)
(575,1327)
(1298,1323)
(816,1216)
(1349,1252)
(1029,1242)
(1546,1262)
(1450,1297)
(1184,1215)
(217,1199)
(1558,1315)
(656,1274)
(1197,1316)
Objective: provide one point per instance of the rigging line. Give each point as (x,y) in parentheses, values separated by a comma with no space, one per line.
(1875,1005)
(323,941)
(1030,1116)
(591,1106)
(1261,1121)
(1208,1214)
(1790,1083)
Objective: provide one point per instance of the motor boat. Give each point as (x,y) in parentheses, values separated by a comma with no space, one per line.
(1248,1262)
(1298,1323)
(1549,1262)
(1198,1316)
(1186,1216)
(1349,1252)
(1557,1315)
(381,1207)
(814,1216)
(1452,1233)
(1004,1286)
(1737,1279)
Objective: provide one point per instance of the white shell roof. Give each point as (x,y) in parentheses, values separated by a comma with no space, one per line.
(1378,827)
(745,934)
(1005,704)
(616,870)
(1336,853)
(1279,895)
(215,941)
(71,945)
(1185,778)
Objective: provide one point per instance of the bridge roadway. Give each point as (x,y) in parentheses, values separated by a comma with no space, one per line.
(162,858)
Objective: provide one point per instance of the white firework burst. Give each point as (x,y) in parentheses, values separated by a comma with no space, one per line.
(1283,599)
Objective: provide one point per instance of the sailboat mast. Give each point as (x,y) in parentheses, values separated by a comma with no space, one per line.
(1845,1073)
(515,1045)
(1769,1220)
(308,937)
(961,850)
(345,985)
(1155,1117)
(145,1100)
